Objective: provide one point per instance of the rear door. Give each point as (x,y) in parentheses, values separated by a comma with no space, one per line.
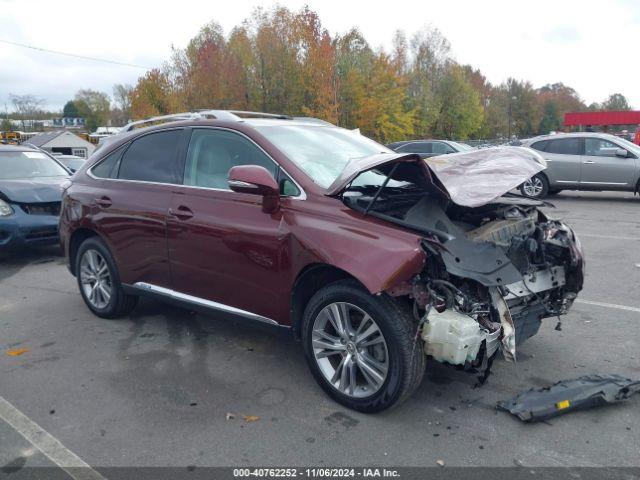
(222,247)
(563,156)
(130,208)
(603,169)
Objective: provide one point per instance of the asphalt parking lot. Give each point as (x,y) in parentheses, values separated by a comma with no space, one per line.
(168,387)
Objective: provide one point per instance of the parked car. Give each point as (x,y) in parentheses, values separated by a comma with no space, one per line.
(429,148)
(30,196)
(371,257)
(636,138)
(71,162)
(583,161)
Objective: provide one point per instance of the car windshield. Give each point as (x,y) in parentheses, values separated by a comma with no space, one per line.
(628,145)
(321,152)
(74,163)
(28,165)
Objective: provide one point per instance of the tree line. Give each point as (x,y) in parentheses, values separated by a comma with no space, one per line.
(284,61)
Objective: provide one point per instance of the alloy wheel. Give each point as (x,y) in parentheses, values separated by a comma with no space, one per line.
(350,350)
(533,187)
(95,279)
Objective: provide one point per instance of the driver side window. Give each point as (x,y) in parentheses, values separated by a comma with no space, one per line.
(213,152)
(600,148)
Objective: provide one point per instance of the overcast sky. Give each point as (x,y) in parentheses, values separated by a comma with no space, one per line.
(593,46)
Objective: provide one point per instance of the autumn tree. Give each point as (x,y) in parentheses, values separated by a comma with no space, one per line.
(383,115)
(430,55)
(354,63)
(555,100)
(153,95)
(318,67)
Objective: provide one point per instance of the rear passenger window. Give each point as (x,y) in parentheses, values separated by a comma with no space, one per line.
(439,148)
(213,152)
(108,168)
(565,146)
(416,147)
(152,158)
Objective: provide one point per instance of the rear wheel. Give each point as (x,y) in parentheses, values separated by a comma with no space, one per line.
(99,281)
(536,187)
(360,348)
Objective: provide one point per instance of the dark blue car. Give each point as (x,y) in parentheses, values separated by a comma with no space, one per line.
(30,196)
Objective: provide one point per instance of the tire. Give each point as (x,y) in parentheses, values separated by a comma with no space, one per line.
(362,391)
(94,251)
(536,187)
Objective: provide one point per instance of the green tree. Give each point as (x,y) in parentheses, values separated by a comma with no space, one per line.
(616,102)
(70,110)
(550,118)
(461,113)
(94,106)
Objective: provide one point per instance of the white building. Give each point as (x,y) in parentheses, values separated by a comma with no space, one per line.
(63,142)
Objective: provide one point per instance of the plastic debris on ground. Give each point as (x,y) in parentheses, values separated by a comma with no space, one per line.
(568,395)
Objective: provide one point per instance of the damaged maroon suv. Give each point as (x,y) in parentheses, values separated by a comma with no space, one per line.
(376,260)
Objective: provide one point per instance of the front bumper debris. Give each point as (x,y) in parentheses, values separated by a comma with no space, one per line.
(569,395)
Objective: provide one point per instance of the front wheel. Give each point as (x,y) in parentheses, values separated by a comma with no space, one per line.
(536,187)
(99,281)
(362,349)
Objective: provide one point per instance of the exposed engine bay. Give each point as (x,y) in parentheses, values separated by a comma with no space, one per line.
(493,272)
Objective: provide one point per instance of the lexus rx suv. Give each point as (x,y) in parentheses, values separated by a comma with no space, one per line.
(375,260)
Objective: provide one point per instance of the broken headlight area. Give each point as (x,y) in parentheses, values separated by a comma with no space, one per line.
(492,274)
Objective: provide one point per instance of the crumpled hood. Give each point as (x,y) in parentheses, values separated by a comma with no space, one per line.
(32,190)
(477,177)
(356,166)
(470,178)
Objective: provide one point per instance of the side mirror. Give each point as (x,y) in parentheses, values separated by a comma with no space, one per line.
(256,180)
(621,152)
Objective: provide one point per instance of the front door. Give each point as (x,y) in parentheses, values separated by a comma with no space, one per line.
(222,247)
(603,169)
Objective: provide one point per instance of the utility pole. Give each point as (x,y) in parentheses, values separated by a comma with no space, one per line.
(511,99)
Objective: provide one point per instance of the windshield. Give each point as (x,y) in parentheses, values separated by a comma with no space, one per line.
(627,144)
(28,165)
(321,152)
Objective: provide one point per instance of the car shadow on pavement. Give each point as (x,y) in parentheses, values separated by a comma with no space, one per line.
(12,262)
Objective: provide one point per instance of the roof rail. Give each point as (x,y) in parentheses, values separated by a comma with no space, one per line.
(228,115)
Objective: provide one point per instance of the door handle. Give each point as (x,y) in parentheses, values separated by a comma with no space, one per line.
(181,213)
(588,161)
(104,202)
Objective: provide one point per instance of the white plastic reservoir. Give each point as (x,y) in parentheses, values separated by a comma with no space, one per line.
(452,337)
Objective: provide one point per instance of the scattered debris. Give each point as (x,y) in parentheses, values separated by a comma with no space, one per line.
(52,412)
(440,462)
(193,404)
(568,395)
(251,418)
(16,352)
(231,416)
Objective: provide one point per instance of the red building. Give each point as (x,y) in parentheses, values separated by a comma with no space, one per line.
(601,119)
